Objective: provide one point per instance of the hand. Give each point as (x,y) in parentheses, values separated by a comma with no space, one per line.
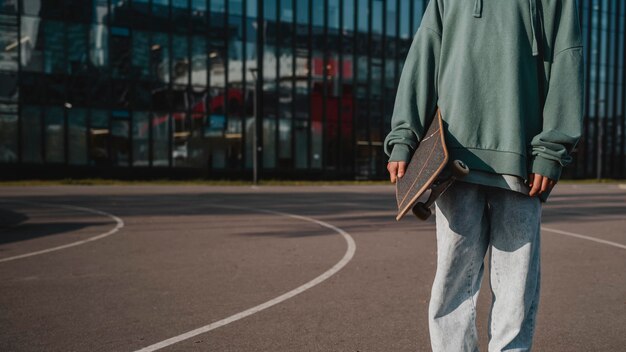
(396,169)
(539,184)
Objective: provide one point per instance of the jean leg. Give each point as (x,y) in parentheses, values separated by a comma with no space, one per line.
(462,241)
(515,222)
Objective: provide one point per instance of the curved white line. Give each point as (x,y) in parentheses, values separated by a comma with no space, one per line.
(589,238)
(119,224)
(330,272)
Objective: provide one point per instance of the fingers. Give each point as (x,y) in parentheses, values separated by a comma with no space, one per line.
(401,168)
(536,185)
(544,184)
(539,184)
(396,169)
(392,167)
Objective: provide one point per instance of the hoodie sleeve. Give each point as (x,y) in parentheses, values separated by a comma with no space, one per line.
(564,102)
(416,97)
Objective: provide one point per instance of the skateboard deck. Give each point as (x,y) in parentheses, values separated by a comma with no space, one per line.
(427,163)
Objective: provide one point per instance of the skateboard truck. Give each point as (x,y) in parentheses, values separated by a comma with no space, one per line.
(459,170)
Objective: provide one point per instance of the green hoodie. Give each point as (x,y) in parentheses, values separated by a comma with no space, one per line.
(477,61)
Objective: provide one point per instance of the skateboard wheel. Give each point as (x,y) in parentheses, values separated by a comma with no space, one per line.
(459,169)
(421,211)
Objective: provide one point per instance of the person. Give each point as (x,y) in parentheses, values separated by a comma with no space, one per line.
(508,77)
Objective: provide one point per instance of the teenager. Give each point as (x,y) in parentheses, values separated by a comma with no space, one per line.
(514,122)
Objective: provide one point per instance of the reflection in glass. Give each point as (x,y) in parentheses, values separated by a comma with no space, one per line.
(31,45)
(160,8)
(98,45)
(120,139)
(120,52)
(101,10)
(77,36)
(31,134)
(8,43)
(160,138)
(77,136)
(141,54)
(54,47)
(9,6)
(99,137)
(8,138)
(181,132)
(198,61)
(180,60)
(160,57)
(141,135)
(55,131)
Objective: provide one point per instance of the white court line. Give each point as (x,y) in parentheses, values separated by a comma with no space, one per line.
(589,238)
(119,224)
(561,232)
(330,272)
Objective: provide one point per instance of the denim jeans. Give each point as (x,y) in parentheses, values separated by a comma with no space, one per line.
(470,219)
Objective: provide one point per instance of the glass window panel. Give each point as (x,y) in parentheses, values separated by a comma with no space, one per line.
(8,138)
(160,8)
(180,13)
(78,10)
(301,143)
(318,13)
(270,9)
(377,17)
(120,142)
(160,57)
(198,61)
(141,138)
(77,47)
(54,47)
(9,6)
(31,7)
(55,132)
(99,136)
(251,10)
(235,7)
(333,14)
(119,55)
(180,63)
(286,10)
(181,132)
(77,138)
(31,135)
(31,44)
(302,11)
(269,142)
(101,10)
(363,19)
(8,88)
(160,138)
(405,15)
(98,45)
(141,54)
(218,5)
(198,5)
(8,43)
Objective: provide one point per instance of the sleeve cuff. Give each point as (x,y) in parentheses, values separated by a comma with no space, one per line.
(400,152)
(545,167)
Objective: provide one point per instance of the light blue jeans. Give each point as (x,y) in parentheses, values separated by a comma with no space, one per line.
(471,219)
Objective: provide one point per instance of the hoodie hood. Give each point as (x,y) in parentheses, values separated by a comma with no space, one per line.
(532,8)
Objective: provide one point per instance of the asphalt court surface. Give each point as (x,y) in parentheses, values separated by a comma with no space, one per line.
(206,268)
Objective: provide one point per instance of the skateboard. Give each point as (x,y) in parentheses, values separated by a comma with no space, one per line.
(428,169)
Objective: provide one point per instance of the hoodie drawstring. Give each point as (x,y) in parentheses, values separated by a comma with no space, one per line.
(478,8)
(533,20)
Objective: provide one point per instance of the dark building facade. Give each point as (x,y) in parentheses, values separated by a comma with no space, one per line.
(153,88)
